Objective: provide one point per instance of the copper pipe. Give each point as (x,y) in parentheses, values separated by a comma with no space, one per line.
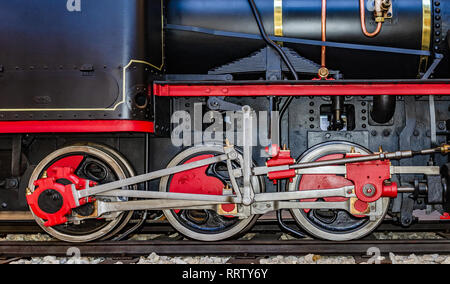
(363,21)
(324,31)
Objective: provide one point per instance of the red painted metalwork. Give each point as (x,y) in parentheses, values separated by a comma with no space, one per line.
(360,206)
(276,176)
(67,162)
(373,173)
(359,175)
(76,126)
(196,181)
(303,89)
(68,202)
(445,216)
(311,182)
(280,158)
(390,190)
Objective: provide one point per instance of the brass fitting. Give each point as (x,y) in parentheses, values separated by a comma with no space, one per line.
(28,191)
(445,149)
(44,175)
(323,73)
(222,212)
(355,211)
(379,19)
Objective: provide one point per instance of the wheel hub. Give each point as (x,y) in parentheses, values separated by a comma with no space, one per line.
(52,200)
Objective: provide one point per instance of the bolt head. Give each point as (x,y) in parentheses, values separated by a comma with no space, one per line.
(369,190)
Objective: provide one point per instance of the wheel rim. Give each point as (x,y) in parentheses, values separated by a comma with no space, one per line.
(335,225)
(92,160)
(205,225)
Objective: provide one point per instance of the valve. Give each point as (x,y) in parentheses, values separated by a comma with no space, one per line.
(280,158)
(383,10)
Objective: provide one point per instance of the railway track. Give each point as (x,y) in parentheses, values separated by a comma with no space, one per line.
(263,225)
(228,248)
(265,241)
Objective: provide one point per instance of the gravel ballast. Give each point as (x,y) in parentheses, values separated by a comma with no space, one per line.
(307,259)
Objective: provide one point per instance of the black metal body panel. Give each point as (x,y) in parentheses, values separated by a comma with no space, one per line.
(57,57)
(301,19)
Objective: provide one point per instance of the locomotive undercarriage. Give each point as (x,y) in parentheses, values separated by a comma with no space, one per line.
(243,194)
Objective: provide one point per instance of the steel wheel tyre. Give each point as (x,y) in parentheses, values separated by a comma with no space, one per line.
(240,226)
(116,164)
(362,228)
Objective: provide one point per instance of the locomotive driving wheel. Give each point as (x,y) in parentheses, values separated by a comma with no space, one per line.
(334,225)
(92,162)
(206,225)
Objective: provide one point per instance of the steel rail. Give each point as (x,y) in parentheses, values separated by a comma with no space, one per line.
(229,248)
(262,225)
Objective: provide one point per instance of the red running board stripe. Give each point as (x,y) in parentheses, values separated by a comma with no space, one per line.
(76,126)
(334,89)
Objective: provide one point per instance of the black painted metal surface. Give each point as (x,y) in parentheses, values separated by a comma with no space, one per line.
(301,19)
(57,57)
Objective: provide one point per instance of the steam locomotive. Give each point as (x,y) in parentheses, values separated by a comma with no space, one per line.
(215,112)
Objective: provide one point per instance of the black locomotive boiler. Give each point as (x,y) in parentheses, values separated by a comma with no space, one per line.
(216,112)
